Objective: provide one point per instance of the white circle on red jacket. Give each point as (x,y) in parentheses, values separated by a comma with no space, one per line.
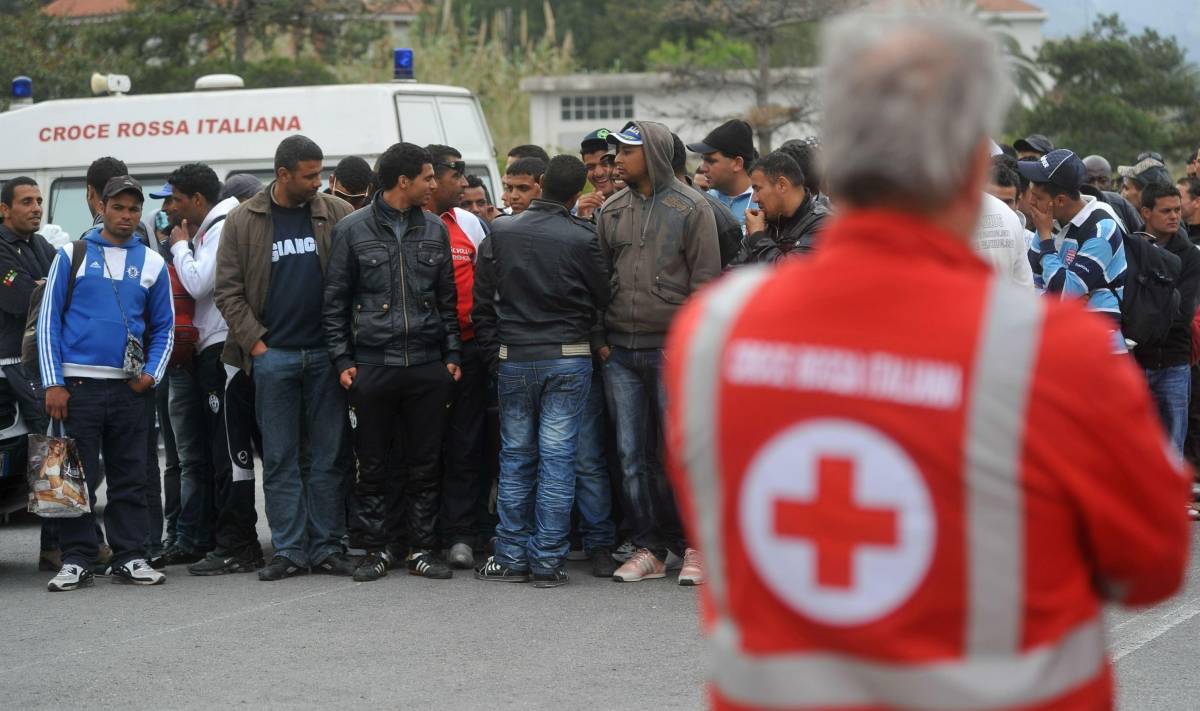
(837,521)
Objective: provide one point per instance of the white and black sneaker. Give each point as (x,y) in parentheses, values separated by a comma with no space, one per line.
(491,570)
(70,577)
(424,564)
(373,566)
(137,572)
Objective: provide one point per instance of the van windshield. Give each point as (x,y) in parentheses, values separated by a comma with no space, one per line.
(69,209)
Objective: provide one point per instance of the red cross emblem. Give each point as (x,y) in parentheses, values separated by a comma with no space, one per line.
(835,524)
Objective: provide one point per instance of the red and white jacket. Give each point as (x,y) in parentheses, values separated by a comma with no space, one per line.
(914,483)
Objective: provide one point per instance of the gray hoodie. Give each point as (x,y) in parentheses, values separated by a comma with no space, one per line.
(660,249)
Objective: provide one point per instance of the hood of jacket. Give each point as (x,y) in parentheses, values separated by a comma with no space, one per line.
(658,147)
(93,235)
(219,210)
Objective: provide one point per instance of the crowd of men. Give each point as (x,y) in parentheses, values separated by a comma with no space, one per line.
(356,339)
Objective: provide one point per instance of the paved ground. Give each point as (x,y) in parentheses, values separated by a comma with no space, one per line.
(409,643)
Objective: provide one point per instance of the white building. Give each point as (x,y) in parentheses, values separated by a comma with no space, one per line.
(563,109)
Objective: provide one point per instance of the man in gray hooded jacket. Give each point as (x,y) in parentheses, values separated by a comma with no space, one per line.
(659,237)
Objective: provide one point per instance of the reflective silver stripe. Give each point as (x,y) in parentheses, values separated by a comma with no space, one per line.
(829,680)
(699,405)
(571,350)
(503,352)
(995,427)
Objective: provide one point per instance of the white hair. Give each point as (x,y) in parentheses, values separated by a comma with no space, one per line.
(907,97)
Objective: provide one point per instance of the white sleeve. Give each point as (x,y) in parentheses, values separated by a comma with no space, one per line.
(471,226)
(1022,273)
(198,273)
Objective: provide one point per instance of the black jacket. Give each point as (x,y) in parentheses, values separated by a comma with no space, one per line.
(22,264)
(541,283)
(390,301)
(1177,348)
(794,235)
(1126,210)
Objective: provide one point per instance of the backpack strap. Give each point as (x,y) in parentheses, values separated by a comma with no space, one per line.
(78,255)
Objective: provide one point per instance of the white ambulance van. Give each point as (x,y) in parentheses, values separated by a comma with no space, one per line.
(233,131)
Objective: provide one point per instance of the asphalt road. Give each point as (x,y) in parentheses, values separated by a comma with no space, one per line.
(409,643)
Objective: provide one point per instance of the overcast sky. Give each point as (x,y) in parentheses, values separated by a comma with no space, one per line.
(1168,17)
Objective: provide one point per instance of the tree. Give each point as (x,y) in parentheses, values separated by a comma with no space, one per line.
(1116,94)
(740,53)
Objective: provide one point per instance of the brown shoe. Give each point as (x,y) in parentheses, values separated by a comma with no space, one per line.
(104,555)
(50,560)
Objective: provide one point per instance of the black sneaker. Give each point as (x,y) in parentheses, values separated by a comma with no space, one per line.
(337,564)
(279,568)
(70,577)
(222,563)
(491,570)
(603,564)
(137,572)
(550,580)
(425,565)
(373,566)
(175,556)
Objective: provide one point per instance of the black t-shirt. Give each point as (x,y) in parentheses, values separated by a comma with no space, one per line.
(294,298)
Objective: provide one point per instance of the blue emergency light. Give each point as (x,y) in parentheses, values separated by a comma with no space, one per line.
(22,88)
(402,64)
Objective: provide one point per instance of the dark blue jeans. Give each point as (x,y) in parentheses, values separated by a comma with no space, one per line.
(637,404)
(193,441)
(107,416)
(593,491)
(296,391)
(541,404)
(1172,390)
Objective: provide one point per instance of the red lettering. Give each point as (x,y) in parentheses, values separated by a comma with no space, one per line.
(44,135)
(153,128)
(182,128)
(278,124)
(89,131)
(225,127)
(103,133)
(60,133)
(260,125)
(294,124)
(122,130)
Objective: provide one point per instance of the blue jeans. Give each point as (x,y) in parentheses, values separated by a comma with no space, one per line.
(541,405)
(1172,390)
(194,527)
(593,493)
(637,404)
(296,391)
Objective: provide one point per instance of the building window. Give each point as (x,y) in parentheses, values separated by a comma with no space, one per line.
(596,108)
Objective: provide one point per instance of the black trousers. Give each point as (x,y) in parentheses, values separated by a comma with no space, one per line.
(231,431)
(399,412)
(108,416)
(171,484)
(465,487)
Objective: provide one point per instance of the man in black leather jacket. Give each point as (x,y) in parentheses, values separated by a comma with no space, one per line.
(391,323)
(541,284)
(788,220)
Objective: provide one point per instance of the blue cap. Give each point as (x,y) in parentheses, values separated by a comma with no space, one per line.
(631,135)
(1061,167)
(165,191)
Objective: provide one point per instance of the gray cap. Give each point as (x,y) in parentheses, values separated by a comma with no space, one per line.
(241,186)
(122,184)
(1097,166)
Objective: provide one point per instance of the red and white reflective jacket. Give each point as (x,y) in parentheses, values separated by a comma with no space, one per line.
(914,484)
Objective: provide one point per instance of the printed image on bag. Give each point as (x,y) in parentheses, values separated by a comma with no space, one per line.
(57,487)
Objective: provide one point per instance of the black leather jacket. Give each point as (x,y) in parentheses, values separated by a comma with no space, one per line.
(22,264)
(795,235)
(541,282)
(390,301)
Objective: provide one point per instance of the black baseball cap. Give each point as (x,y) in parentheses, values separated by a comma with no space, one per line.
(1061,167)
(1034,142)
(122,184)
(595,141)
(733,138)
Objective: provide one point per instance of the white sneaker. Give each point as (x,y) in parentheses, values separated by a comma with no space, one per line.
(137,572)
(70,577)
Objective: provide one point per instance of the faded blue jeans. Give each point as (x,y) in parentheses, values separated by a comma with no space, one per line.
(541,405)
(637,404)
(187,401)
(296,391)
(593,492)
(1172,390)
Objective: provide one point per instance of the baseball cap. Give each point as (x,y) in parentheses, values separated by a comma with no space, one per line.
(121,184)
(241,186)
(1035,142)
(630,135)
(165,191)
(595,141)
(1149,166)
(1061,167)
(733,138)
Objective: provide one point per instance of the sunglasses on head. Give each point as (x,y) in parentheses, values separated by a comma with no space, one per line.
(352,199)
(458,165)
